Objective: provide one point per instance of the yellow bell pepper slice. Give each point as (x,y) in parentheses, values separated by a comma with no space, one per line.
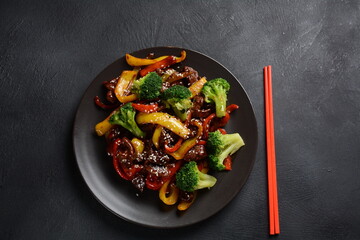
(125,79)
(165,120)
(189,143)
(137,62)
(196,87)
(172,197)
(156,135)
(138,145)
(102,127)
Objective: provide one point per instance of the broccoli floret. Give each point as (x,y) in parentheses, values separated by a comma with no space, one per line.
(147,87)
(178,98)
(220,146)
(189,178)
(125,117)
(215,91)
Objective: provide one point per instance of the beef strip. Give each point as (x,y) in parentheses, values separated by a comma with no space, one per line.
(186,196)
(192,74)
(197,110)
(139,181)
(167,137)
(196,153)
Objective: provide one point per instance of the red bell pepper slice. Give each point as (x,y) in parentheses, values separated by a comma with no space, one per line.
(224,120)
(148,108)
(223,131)
(206,125)
(228,163)
(219,122)
(125,173)
(119,169)
(175,147)
(173,170)
(131,171)
(153,182)
(161,64)
(231,108)
(99,103)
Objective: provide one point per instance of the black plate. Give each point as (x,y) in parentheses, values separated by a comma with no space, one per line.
(119,196)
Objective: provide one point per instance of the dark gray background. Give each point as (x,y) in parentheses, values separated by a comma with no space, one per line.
(50,51)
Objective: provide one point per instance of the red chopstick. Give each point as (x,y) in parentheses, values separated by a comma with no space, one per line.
(271,160)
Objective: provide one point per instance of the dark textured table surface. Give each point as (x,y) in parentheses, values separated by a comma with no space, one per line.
(50,51)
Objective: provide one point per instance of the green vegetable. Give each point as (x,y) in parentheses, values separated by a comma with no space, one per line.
(189,178)
(125,116)
(147,87)
(215,91)
(178,98)
(220,146)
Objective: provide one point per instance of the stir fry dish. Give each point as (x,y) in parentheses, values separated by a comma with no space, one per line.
(166,129)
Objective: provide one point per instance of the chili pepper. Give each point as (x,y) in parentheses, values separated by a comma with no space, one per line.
(170,60)
(228,162)
(231,108)
(201,142)
(196,87)
(137,62)
(148,108)
(99,103)
(165,120)
(175,147)
(126,78)
(206,125)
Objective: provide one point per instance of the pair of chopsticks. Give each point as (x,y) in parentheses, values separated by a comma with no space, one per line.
(270,148)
